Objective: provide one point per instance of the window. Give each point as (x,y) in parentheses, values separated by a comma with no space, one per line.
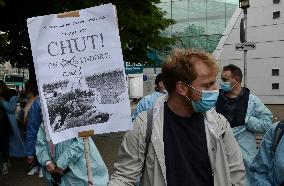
(275,86)
(13,78)
(276,14)
(276,1)
(275,72)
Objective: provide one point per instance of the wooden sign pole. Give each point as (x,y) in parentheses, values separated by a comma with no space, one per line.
(85,135)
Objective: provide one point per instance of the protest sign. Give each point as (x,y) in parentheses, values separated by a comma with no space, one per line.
(80,72)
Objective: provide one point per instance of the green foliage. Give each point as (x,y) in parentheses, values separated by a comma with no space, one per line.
(3,45)
(140,25)
(2,3)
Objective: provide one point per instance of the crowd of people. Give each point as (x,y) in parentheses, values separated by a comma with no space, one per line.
(199,134)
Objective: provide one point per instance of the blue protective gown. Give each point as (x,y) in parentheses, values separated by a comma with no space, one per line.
(146,103)
(268,168)
(16,147)
(69,153)
(258,120)
(33,124)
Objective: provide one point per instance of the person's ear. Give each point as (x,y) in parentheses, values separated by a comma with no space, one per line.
(237,80)
(181,88)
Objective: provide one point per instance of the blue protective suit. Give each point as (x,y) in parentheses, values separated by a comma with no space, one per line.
(17,147)
(33,124)
(258,120)
(69,153)
(268,168)
(146,103)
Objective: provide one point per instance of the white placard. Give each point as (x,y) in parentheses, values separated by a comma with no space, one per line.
(80,72)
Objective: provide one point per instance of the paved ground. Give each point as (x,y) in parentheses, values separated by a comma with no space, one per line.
(107,144)
(17,175)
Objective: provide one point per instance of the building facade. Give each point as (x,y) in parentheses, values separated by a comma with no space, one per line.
(199,23)
(265,64)
(7,68)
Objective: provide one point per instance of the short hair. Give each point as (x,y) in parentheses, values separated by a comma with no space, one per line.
(31,86)
(158,79)
(236,71)
(179,66)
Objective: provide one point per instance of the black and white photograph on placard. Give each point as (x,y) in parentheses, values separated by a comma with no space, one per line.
(72,106)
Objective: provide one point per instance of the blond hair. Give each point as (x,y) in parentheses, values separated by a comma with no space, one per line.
(179,66)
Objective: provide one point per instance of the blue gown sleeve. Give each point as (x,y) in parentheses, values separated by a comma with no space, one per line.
(10,106)
(263,161)
(146,103)
(42,148)
(33,124)
(70,156)
(259,120)
(141,106)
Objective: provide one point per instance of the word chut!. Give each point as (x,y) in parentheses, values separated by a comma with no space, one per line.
(74,46)
(56,48)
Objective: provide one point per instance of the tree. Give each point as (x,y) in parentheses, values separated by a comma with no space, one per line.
(2,3)
(140,25)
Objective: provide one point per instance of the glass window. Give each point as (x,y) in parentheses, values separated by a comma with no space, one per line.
(275,86)
(13,78)
(199,23)
(276,1)
(276,15)
(275,72)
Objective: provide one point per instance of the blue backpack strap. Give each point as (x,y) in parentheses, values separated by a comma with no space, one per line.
(279,131)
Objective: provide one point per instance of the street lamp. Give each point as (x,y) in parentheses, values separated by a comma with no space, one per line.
(244,4)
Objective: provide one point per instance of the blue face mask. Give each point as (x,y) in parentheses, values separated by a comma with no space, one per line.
(226,86)
(207,101)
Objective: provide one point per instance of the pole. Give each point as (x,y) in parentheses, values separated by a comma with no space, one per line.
(85,135)
(245,51)
(88,161)
(23,78)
